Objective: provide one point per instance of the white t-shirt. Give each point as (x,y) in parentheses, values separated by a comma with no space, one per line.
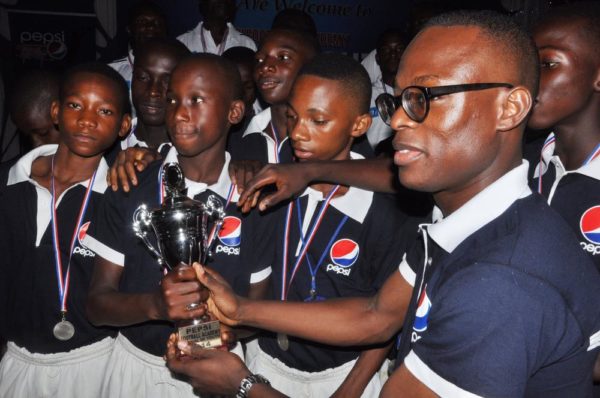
(199,40)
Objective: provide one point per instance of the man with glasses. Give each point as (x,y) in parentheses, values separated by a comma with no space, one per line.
(495,298)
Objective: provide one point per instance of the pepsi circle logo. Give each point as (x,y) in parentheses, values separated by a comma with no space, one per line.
(344,252)
(82,232)
(231,231)
(590,224)
(56,50)
(423,308)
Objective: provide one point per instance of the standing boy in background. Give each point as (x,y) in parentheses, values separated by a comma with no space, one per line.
(53,350)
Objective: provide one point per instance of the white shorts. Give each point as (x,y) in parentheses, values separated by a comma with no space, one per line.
(77,373)
(135,373)
(299,384)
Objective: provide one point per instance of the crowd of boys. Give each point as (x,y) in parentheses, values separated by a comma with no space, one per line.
(401,247)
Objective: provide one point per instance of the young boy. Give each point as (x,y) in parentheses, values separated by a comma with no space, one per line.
(496,299)
(46,210)
(569,103)
(151,73)
(336,241)
(203,101)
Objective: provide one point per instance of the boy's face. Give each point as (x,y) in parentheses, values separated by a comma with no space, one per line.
(89,115)
(568,73)
(278,61)
(389,53)
(36,124)
(146,25)
(151,75)
(321,120)
(455,146)
(199,110)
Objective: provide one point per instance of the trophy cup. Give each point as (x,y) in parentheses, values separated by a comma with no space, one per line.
(185,231)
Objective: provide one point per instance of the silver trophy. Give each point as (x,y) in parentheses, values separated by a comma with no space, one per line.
(185,230)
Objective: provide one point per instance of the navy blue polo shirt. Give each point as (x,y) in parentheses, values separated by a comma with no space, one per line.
(356,261)
(256,144)
(30,305)
(505,303)
(574,194)
(242,254)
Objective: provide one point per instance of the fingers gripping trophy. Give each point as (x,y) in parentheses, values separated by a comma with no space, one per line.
(185,231)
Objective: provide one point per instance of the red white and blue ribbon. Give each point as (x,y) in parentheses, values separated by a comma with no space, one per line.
(595,153)
(550,140)
(306,241)
(63,284)
(276,139)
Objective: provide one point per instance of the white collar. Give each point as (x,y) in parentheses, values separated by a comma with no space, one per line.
(21,171)
(259,122)
(221,187)
(483,208)
(355,203)
(592,169)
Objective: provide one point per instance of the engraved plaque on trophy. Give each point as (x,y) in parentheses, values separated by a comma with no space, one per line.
(185,230)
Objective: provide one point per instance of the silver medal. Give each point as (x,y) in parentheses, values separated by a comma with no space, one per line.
(63,330)
(282,341)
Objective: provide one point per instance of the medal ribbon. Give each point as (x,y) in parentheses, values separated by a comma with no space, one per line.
(314,270)
(63,285)
(306,241)
(548,144)
(221,46)
(276,139)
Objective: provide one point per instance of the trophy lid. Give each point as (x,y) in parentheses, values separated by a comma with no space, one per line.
(173,180)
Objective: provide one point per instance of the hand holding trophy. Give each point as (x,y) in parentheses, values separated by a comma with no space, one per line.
(185,230)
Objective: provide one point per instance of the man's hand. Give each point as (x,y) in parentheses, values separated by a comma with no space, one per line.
(289,180)
(222,302)
(180,291)
(209,371)
(128,163)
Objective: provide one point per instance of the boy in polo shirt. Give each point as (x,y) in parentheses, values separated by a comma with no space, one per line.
(204,99)
(569,103)
(46,269)
(496,298)
(335,242)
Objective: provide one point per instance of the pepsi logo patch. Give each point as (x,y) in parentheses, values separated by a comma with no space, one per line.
(231,231)
(590,224)
(82,232)
(344,252)
(423,308)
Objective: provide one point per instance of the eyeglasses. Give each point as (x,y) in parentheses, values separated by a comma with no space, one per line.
(415,99)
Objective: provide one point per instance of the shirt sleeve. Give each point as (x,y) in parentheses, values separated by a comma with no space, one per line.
(105,235)
(486,325)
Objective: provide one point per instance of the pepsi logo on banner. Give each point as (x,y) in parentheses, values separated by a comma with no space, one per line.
(590,224)
(423,308)
(82,232)
(231,231)
(344,252)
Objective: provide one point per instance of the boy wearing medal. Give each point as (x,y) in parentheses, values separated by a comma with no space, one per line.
(335,241)
(569,103)
(47,206)
(128,290)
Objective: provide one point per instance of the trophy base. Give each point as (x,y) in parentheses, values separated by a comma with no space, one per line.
(206,334)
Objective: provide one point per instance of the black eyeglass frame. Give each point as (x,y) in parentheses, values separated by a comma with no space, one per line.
(429,93)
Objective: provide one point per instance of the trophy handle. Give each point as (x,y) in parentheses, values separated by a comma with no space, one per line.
(141,224)
(213,209)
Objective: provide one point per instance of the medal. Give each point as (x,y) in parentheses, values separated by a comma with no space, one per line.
(282,341)
(64,330)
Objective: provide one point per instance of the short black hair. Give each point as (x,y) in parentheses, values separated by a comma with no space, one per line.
(232,81)
(391,32)
(311,42)
(345,70)
(501,29)
(295,19)
(241,56)
(587,13)
(34,89)
(141,7)
(172,46)
(97,68)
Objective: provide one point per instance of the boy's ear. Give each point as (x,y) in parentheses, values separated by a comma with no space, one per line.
(125,125)
(515,108)
(236,111)
(597,81)
(54,107)
(361,125)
